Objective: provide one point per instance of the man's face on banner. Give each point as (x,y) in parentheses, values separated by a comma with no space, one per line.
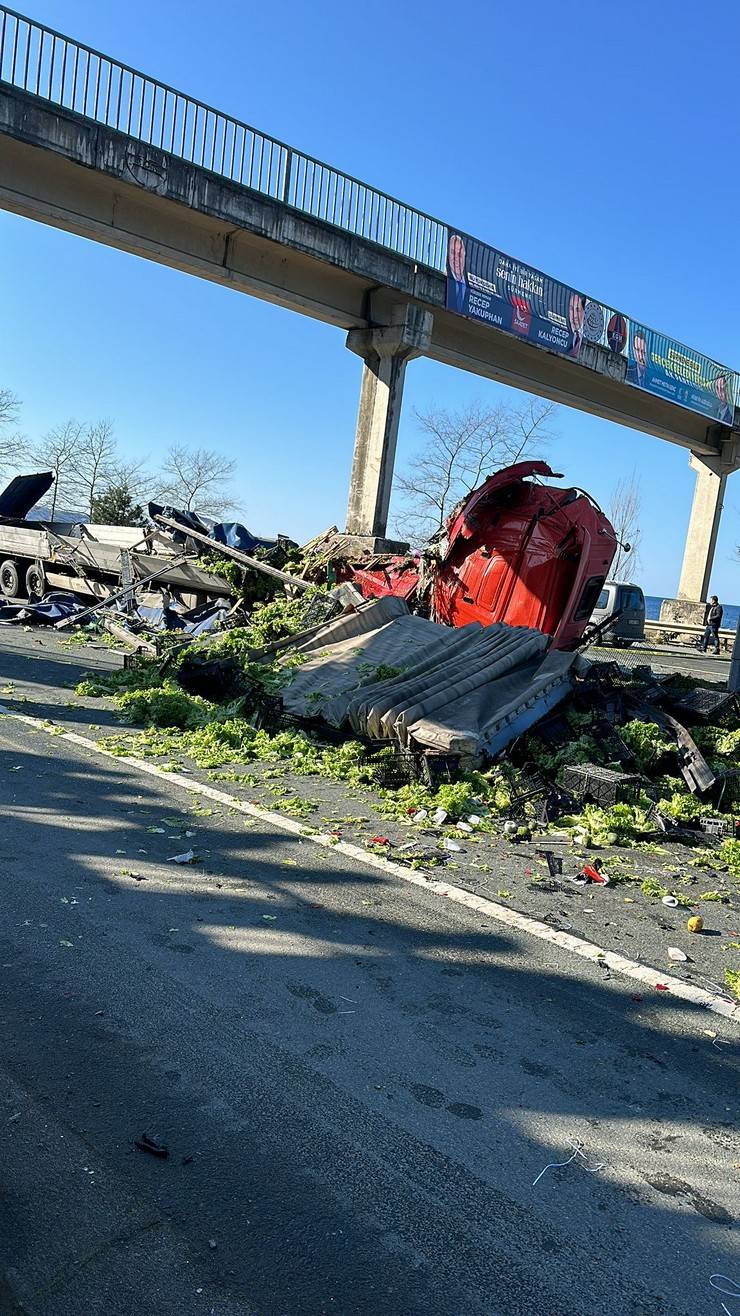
(720,388)
(576,313)
(639,351)
(456,257)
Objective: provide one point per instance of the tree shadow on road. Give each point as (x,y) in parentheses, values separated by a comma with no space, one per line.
(367,1081)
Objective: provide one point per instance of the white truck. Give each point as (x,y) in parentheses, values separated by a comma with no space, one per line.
(91,561)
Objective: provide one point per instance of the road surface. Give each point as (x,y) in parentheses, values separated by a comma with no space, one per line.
(358,1084)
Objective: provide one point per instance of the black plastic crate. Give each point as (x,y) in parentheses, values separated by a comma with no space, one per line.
(393,766)
(716,706)
(438,769)
(604,786)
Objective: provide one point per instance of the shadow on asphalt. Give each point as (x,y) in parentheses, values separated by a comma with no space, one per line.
(239,1175)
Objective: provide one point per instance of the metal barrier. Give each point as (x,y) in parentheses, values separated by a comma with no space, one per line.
(49,65)
(654,629)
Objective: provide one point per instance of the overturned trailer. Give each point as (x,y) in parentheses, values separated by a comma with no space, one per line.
(91,561)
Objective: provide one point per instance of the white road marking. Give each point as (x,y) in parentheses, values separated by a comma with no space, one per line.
(642,973)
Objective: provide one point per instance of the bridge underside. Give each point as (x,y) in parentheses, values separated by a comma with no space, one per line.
(81,176)
(78,175)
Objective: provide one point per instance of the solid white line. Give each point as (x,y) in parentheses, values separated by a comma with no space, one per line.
(479,904)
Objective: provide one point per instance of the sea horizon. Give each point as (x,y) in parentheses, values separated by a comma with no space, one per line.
(729,620)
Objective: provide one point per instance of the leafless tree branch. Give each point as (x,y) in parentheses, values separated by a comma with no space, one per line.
(197,480)
(13,447)
(625,508)
(460,450)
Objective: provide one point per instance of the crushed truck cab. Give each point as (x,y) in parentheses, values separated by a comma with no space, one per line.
(514,550)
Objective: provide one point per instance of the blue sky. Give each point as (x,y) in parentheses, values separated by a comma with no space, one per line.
(596,142)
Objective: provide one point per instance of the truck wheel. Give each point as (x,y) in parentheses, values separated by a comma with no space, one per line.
(9,579)
(35,580)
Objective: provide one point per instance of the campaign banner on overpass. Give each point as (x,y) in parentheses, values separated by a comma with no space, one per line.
(485,284)
(662,366)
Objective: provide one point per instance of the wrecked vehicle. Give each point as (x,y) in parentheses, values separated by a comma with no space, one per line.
(515,551)
(92,561)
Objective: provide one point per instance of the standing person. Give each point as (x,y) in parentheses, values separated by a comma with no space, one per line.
(712,622)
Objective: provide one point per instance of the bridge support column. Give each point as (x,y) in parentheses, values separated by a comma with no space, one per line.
(385,350)
(701,537)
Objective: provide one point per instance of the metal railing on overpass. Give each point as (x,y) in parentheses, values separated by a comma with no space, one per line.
(45,63)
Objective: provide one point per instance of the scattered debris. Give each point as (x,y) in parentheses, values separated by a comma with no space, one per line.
(675,953)
(695,923)
(152,1145)
(188,857)
(723,1284)
(595,873)
(578,1154)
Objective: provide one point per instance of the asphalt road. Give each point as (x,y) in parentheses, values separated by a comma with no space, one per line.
(357,1084)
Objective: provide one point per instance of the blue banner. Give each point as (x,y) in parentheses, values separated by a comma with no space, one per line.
(485,284)
(662,366)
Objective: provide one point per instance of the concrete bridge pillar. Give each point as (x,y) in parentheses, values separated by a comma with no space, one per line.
(701,538)
(385,350)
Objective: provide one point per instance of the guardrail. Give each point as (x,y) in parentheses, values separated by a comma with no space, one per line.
(726,636)
(76,77)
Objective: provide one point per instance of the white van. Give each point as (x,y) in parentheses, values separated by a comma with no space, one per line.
(627,600)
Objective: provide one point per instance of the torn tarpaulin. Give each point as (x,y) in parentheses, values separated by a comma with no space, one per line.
(389,675)
(23,493)
(52,608)
(192,621)
(232,534)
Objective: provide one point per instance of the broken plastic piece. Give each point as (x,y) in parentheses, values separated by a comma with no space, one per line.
(675,953)
(187,858)
(554,862)
(152,1145)
(594,873)
(670,900)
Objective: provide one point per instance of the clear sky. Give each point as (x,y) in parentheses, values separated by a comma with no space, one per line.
(597,142)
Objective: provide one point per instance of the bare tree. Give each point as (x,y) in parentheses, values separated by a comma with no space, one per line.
(625,507)
(197,480)
(135,477)
(13,447)
(460,450)
(57,452)
(93,463)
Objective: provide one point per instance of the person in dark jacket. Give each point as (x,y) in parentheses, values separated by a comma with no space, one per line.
(712,622)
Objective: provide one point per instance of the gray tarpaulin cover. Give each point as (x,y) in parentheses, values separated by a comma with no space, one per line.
(456,690)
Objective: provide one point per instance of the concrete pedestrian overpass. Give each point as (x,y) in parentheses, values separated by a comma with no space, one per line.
(92,146)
